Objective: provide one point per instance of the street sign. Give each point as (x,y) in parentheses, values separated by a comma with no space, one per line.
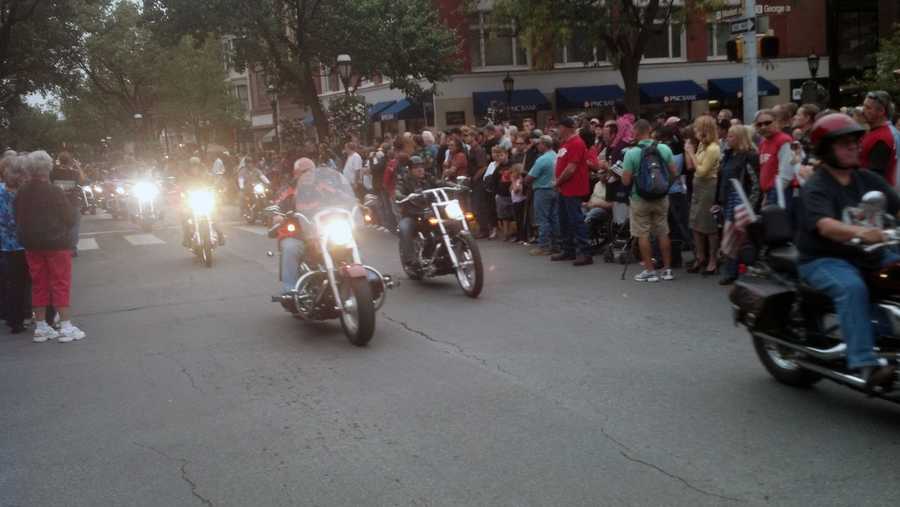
(743,25)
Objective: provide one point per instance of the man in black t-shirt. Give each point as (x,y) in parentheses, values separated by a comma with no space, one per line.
(827,261)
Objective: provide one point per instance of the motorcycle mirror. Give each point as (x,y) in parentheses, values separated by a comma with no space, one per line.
(269,253)
(273,208)
(874,200)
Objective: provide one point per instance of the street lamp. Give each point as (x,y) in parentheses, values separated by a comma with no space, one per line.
(272,92)
(344,68)
(138,119)
(813,61)
(508,87)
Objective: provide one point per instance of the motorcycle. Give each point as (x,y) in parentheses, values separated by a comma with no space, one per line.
(333,282)
(99,197)
(115,199)
(255,204)
(443,244)
(146,204)
(88,203)
(204,238)
(794,327)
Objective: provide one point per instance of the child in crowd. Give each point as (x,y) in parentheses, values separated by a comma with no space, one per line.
(519,201)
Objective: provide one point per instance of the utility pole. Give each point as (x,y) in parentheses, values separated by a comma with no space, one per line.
(751,70)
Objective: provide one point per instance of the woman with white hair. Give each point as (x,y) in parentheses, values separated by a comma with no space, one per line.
(44,219)
(14,281)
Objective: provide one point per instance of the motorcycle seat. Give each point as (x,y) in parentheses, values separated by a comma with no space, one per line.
(784,259)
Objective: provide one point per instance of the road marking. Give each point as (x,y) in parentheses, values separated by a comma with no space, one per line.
(255,230)
(144,239)
(88,244)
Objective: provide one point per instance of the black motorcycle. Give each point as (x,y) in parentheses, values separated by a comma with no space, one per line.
(443,244)
(255,204)
(794,327)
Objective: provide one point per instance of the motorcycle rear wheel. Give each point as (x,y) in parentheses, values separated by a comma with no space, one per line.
(783,369)
(470,273)
(358,317)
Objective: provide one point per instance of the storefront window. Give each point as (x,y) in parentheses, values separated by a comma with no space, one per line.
(493,45)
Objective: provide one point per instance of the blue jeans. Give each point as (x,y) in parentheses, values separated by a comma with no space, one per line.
(572,228)
(545,214)
(292,250)
(843,283)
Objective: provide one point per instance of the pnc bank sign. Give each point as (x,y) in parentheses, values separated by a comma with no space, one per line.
(679,98)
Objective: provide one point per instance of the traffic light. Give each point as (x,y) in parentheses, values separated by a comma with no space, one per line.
(766,48)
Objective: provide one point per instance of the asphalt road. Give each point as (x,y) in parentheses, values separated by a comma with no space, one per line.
(559,386)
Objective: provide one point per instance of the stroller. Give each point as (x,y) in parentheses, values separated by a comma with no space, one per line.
(619,246)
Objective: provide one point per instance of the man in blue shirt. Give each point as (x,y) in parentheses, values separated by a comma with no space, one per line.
(541,177)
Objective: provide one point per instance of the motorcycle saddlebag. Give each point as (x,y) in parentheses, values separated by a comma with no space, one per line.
(760,304)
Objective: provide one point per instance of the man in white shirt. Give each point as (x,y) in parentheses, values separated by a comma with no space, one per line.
(353,165)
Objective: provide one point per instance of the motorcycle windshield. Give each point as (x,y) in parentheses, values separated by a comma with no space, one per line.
(322,188)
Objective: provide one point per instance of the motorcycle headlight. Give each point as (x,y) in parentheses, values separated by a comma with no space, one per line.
(201,202)
(339,232)
(146,191)
(259,188)
(120,190)
(98,188)
(454,211)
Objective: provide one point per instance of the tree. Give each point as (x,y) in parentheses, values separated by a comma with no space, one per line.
(31,128)
(402,41)
(347,117)
(622,27)
(39,44)
(887,61)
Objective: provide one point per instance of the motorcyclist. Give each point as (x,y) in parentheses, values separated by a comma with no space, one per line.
(415,181)
(248,176)
(311,192)
(827,260)
(195,178)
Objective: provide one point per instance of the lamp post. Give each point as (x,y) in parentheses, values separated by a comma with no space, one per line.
(813,61)
(272,92)
(345,69)
(508,87)
(138,120)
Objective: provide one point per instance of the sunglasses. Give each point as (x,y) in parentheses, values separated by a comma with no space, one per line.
(881,97)
(764,123)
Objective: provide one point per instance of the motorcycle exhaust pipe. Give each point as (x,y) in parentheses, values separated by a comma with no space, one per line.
(843,378)
(839,351)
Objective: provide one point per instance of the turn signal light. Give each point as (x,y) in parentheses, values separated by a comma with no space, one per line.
(470,216)
(368,218)
(433,221)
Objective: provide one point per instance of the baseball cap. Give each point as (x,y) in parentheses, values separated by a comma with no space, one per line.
(536,134)
(416,160)
(568,122)
(595,121)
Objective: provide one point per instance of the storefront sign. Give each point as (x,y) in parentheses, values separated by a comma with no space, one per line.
(523,108)
(387,116)
(456,117)
(679,98)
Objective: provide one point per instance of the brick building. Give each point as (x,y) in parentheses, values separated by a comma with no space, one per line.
(684,72)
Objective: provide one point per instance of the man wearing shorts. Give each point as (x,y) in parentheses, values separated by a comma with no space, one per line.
(649,217)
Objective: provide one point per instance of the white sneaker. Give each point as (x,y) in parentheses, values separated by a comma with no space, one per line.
(667,275)
(68,332)
(44,333)
(646,276)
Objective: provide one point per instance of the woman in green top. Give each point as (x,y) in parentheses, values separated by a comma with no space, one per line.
(704,162)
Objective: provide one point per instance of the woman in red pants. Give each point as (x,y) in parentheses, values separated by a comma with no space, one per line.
(44,219)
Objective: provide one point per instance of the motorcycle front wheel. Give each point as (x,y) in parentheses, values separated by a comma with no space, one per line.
(778,363)
(470,272)
(358,315)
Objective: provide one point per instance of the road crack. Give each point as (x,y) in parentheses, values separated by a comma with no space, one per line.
(455,346)
(185,476)
(678,478)
(167,305)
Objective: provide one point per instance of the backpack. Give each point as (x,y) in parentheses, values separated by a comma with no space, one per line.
(653,179)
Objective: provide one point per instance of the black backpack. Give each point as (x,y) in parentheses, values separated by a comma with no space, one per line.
(653,180)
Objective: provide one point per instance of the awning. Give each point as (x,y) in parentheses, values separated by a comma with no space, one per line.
(378,107)
(402,110)
(578,97)
(523,101)
(734,87)
(671,91)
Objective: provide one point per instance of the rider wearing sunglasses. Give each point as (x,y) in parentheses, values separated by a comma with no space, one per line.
(775,160)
